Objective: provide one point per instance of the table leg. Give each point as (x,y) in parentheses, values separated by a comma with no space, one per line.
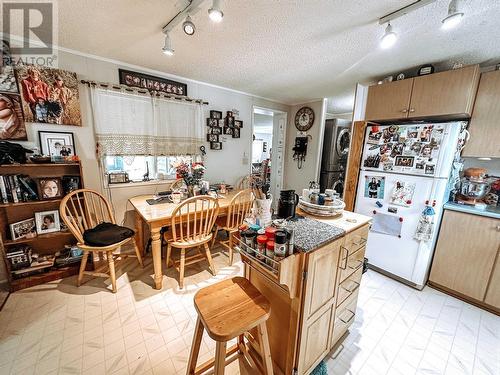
(139,232)
(156,250)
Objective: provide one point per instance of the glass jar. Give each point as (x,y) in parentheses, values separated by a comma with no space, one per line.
(261,247)
(280,248)
(269,253)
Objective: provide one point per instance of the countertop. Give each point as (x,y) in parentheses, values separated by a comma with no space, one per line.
(493,212)
(313,232)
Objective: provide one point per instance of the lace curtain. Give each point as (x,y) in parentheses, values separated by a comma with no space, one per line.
(132,124)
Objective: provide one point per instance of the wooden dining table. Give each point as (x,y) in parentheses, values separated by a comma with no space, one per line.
(157,216)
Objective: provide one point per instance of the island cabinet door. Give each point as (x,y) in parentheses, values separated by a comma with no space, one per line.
(318,305)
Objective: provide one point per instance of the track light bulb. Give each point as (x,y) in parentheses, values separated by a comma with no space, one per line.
(188,26)
(215,12)
(167,47)
(389,38)
(454,16)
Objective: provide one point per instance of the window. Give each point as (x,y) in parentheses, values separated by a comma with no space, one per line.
(137,166)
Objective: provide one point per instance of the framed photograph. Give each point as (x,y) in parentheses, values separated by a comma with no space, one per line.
(49,96)
(236,132)
(238,124)
(228,131)
(146,81)
(57,143)
(12,124)
(215,145)
(8,82)
(212,122)
(404,161)
(374,187)
(70,183)
(229,122)
(23,229)
(216,130)
(50,188)
(212,138)
(216,114)
(222,122)
(47,222)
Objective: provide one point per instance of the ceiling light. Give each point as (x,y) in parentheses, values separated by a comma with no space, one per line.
(389,38)
(188,26)
(454,16)
(215,13)
(167,47)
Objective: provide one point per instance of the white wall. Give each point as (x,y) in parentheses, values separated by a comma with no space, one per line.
(296,178)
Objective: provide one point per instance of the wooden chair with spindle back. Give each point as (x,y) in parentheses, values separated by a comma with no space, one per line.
(178,184)
(238,210)
(245,182)
(82,210)
(191,227)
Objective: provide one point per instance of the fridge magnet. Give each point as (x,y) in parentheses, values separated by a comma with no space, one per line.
(372,161)
(420,164)
(392,210)
(425,226)
(387,224)
(430,167)
(412,132)
(389,132)
(374,137)
(426,151)
(374,187)
(416,147)
(379,204)
(402,194)
(397,149)
(386,148)
(425,134)
(436,137)
(404,161)
(388,165)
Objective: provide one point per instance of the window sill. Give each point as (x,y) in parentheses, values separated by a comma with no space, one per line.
(140,183)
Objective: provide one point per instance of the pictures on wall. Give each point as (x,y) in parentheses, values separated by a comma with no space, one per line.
(49,95)
(149,82)
(217,126)
(57,144)
(215,145)
(23,229)
(12,126)
(8,82)
(47,222)
(212,138)
(236,133)
(216,115)
(374,187)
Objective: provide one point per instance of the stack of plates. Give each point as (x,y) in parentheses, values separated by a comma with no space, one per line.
(316,209)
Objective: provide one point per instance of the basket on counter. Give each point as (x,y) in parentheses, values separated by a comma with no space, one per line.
(321,210)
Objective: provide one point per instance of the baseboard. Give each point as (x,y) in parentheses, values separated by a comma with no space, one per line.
(395,277)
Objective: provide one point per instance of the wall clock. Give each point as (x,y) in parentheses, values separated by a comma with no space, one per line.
(304,119)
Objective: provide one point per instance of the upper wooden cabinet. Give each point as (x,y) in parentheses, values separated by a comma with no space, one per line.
(447,95)
(464,258)
(484,125)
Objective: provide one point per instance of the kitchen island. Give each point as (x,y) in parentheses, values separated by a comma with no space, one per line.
(313,293)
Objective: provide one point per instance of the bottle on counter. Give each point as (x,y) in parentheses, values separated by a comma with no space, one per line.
(291,239)
(270,232)
(248,237)
(280,245)
(269,252)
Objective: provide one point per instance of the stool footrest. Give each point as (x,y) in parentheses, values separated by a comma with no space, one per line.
(210,363)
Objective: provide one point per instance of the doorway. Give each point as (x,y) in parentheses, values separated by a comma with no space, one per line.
(268,152)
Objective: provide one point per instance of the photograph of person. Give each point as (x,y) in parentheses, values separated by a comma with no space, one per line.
(50,188)
(47,222)
(374,187)
(11,118)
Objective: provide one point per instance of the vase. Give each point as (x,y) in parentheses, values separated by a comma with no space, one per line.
(190,191)
(263,211)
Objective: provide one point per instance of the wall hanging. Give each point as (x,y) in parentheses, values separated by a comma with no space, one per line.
(216,126)
(152,83)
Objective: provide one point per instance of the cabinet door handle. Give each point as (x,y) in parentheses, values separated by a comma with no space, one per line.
(356,286)
(348,320)
(357,266)
(405,110)
(498,228)
(412,109)
(346,256)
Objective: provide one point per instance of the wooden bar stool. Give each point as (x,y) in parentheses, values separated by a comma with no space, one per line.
(227,310)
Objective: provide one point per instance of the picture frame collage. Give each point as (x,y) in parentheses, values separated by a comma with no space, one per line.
(219,126)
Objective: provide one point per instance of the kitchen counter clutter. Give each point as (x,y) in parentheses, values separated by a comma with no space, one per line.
(313,291)
(489,211)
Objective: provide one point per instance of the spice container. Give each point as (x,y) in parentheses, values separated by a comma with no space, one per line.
(291,240)
(280,247)
(270,232)
(249,239)
(269,252)
(261,247)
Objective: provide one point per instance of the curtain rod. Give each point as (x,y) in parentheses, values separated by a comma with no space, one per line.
(137,90)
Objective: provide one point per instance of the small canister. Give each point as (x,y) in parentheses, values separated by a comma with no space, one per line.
(291,239)
(255,227)
(261,247)
(270,232)
(269,252)
(280,247)
(249,239)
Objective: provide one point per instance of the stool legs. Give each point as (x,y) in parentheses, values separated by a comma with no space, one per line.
(111,264)
(265,349)
(220,357)
(82,267)
(195,348)
(181,268)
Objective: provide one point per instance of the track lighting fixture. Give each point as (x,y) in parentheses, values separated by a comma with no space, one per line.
(389,38)
(167,47)
(215,13)
(454,16)
(188,26)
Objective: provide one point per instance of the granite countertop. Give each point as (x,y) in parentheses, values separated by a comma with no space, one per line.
(489,211)
(310,234)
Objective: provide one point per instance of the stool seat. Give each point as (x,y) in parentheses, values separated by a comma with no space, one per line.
(230,308)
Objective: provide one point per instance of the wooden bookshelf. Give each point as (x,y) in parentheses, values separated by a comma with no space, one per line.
(43,244)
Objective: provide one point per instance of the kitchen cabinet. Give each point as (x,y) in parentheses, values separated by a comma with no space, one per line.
(444,95)
(492,297)
(483,127)
(465,254)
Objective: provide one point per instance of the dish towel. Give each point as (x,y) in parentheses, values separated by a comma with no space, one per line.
(320,369)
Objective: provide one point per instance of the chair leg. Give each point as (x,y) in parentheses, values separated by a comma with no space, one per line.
(169,253)
(231,248)
(111,264)
(209,258)
(220,357)
(195,348)
(138,253)
(181,268)
(214,235)
(265,348)
(83,264)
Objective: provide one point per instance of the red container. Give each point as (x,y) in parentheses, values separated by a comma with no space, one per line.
(270,233)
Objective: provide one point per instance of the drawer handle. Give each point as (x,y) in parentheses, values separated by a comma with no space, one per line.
(346,256)
(348,320)
(360,262)
(361,242)
(412,110)
(404,110)
(356,286)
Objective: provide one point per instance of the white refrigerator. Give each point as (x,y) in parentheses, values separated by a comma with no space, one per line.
(405,168)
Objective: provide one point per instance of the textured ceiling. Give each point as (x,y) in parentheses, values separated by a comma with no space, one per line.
(290,51)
